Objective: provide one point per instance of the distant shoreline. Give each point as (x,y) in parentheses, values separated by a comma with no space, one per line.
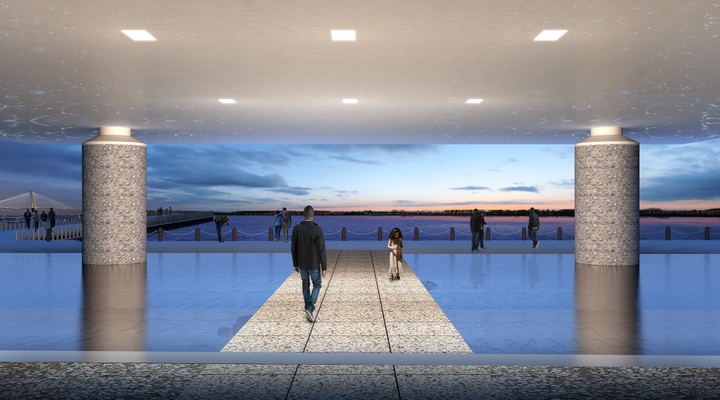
(713,212)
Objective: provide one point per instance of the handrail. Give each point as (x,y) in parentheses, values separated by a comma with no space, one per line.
(504,235)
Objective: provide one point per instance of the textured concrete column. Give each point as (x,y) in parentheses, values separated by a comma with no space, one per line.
(114,198)
(607,201)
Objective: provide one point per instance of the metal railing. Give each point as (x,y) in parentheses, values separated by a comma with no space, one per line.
(450,234)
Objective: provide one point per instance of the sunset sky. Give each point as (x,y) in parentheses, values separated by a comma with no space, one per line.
(363,177)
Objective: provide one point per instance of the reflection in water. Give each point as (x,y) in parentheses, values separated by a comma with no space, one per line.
(606,309)
(477,272)
(114,303)
(533,270)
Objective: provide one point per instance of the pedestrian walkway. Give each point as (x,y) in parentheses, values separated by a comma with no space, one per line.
(359,310)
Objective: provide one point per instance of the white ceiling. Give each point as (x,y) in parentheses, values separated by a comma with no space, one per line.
(650,66)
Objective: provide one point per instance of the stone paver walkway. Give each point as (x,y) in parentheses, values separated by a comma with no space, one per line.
(359,310)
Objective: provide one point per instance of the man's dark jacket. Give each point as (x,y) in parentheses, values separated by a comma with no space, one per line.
(308,246)
(476,223)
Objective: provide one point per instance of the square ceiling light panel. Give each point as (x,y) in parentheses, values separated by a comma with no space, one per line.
(550,35)
(343,35)
(139,35)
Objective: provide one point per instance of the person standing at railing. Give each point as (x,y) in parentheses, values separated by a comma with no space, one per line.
(395,244)
(52,216)
(220,221)
(277,223)
(287,221)
(27,217)
(477,226)
(533,227)
(36,219)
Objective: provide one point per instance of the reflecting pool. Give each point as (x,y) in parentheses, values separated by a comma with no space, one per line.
(500,303)
(545,304)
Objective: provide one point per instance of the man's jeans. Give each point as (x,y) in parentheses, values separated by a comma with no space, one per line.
(533,235)
(307,275)
(477,240)
(277,232)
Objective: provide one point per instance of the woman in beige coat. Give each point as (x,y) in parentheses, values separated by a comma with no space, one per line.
(395,245)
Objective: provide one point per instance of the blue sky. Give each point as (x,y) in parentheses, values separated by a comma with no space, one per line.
(361,177)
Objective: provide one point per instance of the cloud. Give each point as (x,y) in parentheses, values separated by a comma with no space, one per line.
(228,178)
(346,193)
(531,189)
(564,183)
(299,191)
(470,188)
(355,160)
(49,161)
(677,173)
(168,155)
(211,166)
(561,152)
(700,185)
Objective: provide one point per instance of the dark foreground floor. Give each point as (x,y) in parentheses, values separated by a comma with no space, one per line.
(245,381)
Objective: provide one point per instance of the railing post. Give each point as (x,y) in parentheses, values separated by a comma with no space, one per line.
(707,233)
(524,233)
(417,234)
(380,234)
(234,234)
(667,233)
(452,233)
(559,233)
(160,232)
(487,233)
(270,234)
(344,234)
(197,234)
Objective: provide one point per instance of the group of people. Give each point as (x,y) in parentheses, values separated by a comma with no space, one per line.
(309,256)
(33,219)
(282,220)
(477,228)
(310,261)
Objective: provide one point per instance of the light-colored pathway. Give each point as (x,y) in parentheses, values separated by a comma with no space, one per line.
(359,310)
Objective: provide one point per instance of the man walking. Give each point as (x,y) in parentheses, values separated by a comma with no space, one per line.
(533,226)
(309,259)
(477,225)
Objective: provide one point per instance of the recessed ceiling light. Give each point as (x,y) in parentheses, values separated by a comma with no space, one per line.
(550,35)
(227,101)
(474,101)
(343,35)
(139,35)
(350,101)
